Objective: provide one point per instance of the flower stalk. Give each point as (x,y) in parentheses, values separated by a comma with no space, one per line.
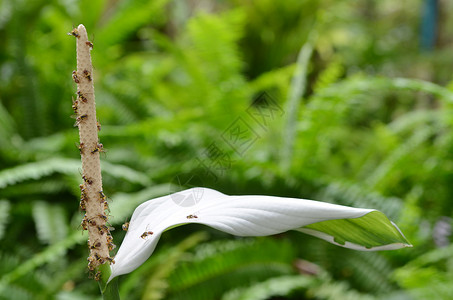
(93,201)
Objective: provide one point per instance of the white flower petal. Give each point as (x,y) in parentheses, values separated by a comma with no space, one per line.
(251,216)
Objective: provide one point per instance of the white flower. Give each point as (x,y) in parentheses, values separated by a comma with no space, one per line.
(356,228)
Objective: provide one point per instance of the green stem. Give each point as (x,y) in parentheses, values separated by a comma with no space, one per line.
(109,290)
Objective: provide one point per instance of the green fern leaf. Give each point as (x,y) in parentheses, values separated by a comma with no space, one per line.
(37,170)
(219,266)
(49,254)
(329,75)
(277,286)
(50,221)
(128,17)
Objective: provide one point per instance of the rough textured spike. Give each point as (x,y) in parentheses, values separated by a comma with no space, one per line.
(95,219)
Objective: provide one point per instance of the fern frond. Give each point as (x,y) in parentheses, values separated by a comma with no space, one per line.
(329,75)
(123,204)
(414,119)
(358,85)
(49,254)
(126,173)
(119,100)
(277,286)
(12,292)
(37,170)
(219,266)
(65,274)
(214,40)
(50,221)
(370,272)
(128,17)
(403,151)
(344,193)
(32,284)
(134,283)
(432,257)
(338,290)
(365,271)
(73,295)
(45,186)
(278,78)
(157,284)
(233,254)
(48,145)
(428,276)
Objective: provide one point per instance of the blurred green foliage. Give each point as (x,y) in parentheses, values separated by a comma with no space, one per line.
(368,116)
